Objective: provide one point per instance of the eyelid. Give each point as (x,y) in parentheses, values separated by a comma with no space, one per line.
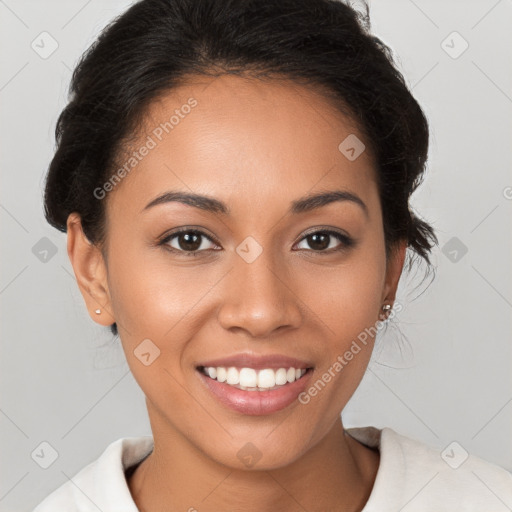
(169,235)
(323,229)
(345,240)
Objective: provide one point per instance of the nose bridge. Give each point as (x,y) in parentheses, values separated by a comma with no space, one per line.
(257,299)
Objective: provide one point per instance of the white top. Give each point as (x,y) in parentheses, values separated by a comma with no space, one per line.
(412,477)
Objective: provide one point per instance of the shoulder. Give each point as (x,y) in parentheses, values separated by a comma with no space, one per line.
(418,477)
(101,485)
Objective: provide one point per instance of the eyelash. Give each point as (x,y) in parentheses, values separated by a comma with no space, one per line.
(346,241)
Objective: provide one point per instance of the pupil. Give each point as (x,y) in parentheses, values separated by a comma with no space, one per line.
(324,244)
(188,244)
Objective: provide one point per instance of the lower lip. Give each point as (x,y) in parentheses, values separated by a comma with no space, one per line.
(256,403)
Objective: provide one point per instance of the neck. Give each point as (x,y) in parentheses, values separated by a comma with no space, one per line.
(336,474)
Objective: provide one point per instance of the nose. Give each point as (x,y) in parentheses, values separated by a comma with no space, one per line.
(259,298)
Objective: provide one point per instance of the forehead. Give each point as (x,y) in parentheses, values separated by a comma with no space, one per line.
(246,142)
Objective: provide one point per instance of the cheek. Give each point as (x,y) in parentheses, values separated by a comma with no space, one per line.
(149,292)
(155,298)
(346,301)
(347,297)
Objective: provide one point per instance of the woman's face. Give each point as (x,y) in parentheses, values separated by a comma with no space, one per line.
(255,282)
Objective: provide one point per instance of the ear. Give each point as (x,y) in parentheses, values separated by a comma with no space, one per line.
(90,271)
(394,271)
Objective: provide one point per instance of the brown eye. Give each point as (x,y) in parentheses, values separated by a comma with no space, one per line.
(319,241)
(187,241)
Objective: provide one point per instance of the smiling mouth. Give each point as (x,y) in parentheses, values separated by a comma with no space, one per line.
(250,379)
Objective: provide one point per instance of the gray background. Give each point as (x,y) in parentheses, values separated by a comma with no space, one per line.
(64,379)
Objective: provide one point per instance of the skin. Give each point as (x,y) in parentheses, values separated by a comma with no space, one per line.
(257,147)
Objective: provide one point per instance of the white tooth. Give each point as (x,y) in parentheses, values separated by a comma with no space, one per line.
(221,374)
(232,377)
(248,377)
(266,378)
(303,371)
(281,376)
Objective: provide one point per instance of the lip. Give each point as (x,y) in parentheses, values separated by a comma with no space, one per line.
(255,403)
(258,362)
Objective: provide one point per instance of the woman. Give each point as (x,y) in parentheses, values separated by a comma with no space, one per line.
(234,180)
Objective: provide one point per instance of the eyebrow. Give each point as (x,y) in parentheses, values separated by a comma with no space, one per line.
(301,205)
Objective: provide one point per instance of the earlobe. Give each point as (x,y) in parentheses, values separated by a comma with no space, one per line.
(90,271)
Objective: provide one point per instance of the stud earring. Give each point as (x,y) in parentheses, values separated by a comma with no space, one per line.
(98,311)
(385,308)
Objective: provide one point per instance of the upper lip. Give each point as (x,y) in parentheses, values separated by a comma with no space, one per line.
(258,362)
